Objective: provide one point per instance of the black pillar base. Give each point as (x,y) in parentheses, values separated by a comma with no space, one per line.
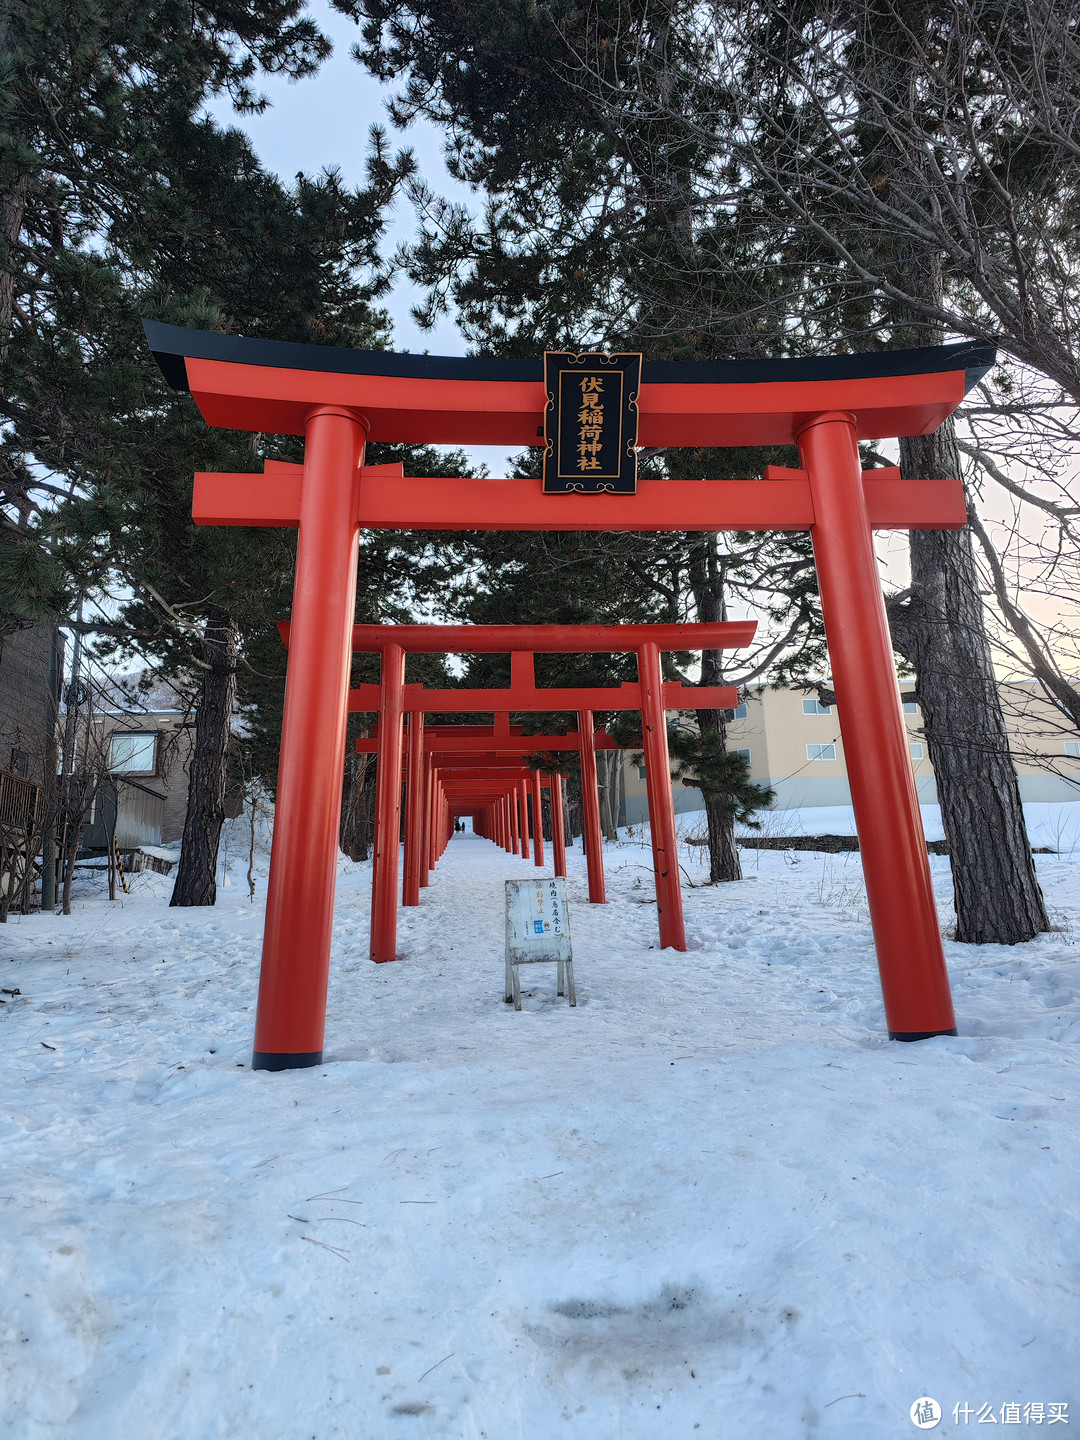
(919,1034)
(268,1060)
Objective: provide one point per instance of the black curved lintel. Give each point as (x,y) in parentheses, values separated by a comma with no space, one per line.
(172,345)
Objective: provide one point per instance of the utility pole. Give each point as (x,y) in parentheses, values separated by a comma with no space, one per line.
(48,839)
(67,761)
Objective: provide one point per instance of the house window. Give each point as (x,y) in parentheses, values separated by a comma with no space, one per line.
(744,751)
(133,754)
(916,749)
(1072,747)
(739,713)
(910,707)
(641,772)
(20,762)
(821,752)
(815,707)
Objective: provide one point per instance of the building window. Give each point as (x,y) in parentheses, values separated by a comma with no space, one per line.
(1072,747)
(910,707)
(815,707)
(133,754)
(641,772)
(916,749)
(821,752)
(739,713)
(20,762)
(744,751)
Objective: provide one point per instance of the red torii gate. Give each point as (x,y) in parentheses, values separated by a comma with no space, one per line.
(450,747)
(650,694)
(494,818)
(339,399)
(497,797)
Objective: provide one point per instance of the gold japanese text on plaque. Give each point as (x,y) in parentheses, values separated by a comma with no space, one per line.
(590,423)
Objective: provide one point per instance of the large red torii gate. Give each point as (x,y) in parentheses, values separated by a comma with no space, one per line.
(339,399)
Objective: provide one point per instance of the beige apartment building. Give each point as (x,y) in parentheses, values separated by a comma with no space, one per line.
(793,743)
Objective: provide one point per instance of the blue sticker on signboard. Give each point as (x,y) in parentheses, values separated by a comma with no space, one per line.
(538,927)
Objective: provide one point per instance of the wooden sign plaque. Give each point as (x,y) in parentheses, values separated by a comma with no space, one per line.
(590,423)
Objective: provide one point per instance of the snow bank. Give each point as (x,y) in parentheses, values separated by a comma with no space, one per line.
(1055,826)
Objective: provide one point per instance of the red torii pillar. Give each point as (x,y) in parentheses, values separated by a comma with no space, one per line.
(658,787)
(515,837)
(523,801)
(384,881)
(291,1012)
(590,814)
(414,811)
(558,834)
(538,818)
(899,891)
(425,832)
(433,822)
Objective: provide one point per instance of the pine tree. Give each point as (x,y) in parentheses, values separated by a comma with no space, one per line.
(138,205)
(701,758)
(660,175)
(575,248)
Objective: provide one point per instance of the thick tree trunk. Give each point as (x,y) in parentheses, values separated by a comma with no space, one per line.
(942,634)
(12,209)
(196,875)
(52,775)
(572,810)
(355,838)
(707,579)
(724,862)
(607,769)
(70,839)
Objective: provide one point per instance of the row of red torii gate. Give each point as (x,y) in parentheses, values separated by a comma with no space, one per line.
(482,771)
(340,399)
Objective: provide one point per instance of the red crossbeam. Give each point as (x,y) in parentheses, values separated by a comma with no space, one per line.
(496,772)
(365,698)
(388,501)
(445,747)
(522,640)
(501,728)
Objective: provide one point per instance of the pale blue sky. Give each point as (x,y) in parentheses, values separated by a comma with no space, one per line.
(324,121)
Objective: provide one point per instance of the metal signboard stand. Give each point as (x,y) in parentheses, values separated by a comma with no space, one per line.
(538,932)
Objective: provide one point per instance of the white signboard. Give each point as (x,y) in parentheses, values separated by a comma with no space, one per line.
(538,930)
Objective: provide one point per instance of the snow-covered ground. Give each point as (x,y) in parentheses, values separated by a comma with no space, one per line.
(713,1199)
